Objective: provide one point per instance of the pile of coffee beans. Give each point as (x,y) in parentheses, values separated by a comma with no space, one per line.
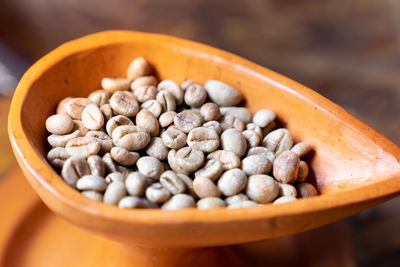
(140,143)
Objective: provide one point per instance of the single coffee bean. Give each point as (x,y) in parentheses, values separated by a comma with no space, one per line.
(130,202)
(59,124)
(115,84)
(229,121)
(57,156)
(301,148)
(189,159)
(114,193)
(228,159)
(236,198)
(145,92)
(105,141)
(73,169)
(107,112)
(167,100)
(83,147)
(99,97)
(263,117)
(240,113)
(148,121)
(278,141)
(261,150)
(92,117)
(137,68)
(150,167)
(286,167)
(179,201)
(132,138)
(75,106)
(195,95)
(188,184)
(94,195)
(210,112)
(213,125)
(172,182)
(92,182)
(187,120)
(123,156)
(233,140)
(303,172)
(157,149)
(305,190)
(115,176)
(78,125)
(173,88)
(96,165)
(222,94)
(116,121)
(109,163)
(287,190)
(232,182)
(210,203)
(157,193)
(153,106)
(172,161)
(56,140)
(136,184)
(243,204)
(256,164)
(204,187)
(166,118)
(262,188)
(212,170)
(61,105)
(124,103)
(252,138)
(143,80)
(174,138)
(284,199)
(254,127)
(203,139)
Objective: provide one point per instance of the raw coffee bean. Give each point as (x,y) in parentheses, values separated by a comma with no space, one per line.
(157,149)
(61,105)
(210,112)
(233,140)
(232,182)
(96,165)
(157,193)
(143,80)
(263,117)
(124,103)
(115,84)
(167,101)
(213,125)
(174,138)
(195,95)
(109,163)
(75,106)
(99,97)
(204,187)
(284,199)
(301,148)
(92,117)
(303,172)
(228,159)
(150,167)
(153,106)
(57,156)
(229,121)
(286,167)
(91,182)
(116,121)
(148,121)
(114,193)
(145,92)
(59,124)
(212,170)
(104,139)
(56,140)
(173,163)
(262,188)
(173,88)
(256,164)
(240,113)
(203,139)
(166,118)
(278,141)
(187,120)
(254,127)
(222,94)
(115,176)
(305,190)
(189,159)
(94,195)
(83,147)
(188,184)
(243,204)
(179,201)
(131,203)
(287,190)
(236,198)
(73,169)
(136,184)
(123,156)
(137,68)
(253,139)
(210,203)
(107,111)
(172,182)
(132,138)
(261,150)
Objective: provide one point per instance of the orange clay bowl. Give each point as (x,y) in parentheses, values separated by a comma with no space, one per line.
(353,166)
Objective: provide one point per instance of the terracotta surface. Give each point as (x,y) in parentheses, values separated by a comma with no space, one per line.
(353,166)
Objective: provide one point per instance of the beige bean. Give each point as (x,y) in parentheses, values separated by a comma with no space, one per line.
(261,150)
(75,106)
(243,204)
(114,193)
(145,92)
(254,127)
(148,121)
(167,118)
(92,117)
(123,156)
(150,167)
(174,138)
(94,195)
(167,100)
(203,139)
(61,105)
(210,203)
(233,140)
(263,117)
(143,80)
(56,140)
(157,193)
(179,201)
(130,202)
(73,169)
(99,97)
(212,170)
(115,176)
(262,188)
(278,141)
(173,163)
(78,125)
(204,187)
(172,182)
(236,198)
(104,139)
(287,190)
(228,159)
(305,190)
(214,125)
(92,182)
(240,113)
(132,138)
(115,84)
(188,184)
(173,88)
(157,149)
(57,156)
(195,95)
(303,172)
(138,67)
(83,147)
(107,111)
(116,121)
(222,94)
(189,159)
(210,112)
(256,164)
(229,121)
(253,139)
(153,106)
(136,184)
(187,120)
(96,165)
(284,199)
(124,103)
(109,163)
(59,124)
(286,167)
(301,148)
(232,182)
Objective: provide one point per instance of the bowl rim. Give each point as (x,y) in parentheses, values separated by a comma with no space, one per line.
(44,176)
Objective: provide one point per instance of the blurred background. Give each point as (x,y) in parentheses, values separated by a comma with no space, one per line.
(348,51)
